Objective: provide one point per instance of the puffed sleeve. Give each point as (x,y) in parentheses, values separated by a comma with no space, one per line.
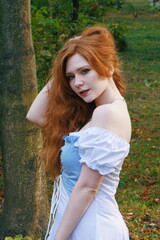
(101,150)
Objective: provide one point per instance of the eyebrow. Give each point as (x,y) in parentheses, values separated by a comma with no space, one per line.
(78,69)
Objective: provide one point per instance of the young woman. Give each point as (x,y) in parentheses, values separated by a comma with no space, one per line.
(87,130)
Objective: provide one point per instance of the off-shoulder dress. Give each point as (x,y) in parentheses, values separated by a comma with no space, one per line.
(105,152)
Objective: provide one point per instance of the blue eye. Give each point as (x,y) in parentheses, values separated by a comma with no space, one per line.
(70,77)
(85,70)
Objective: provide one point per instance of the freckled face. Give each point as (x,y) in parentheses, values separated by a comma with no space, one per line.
(84,80)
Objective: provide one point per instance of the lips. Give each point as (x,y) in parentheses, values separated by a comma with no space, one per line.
(84,92)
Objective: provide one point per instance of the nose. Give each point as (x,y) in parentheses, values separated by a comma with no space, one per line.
(78,81)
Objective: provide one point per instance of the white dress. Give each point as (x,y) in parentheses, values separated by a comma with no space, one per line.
(103,151)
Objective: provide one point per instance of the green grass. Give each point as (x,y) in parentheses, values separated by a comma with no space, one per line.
(138,191)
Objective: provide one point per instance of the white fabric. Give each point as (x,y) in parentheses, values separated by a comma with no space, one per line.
(54,204)
(103,151)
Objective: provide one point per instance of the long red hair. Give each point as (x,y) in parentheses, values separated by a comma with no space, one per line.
(66,111)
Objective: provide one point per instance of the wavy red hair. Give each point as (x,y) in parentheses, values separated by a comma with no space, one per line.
(66,111)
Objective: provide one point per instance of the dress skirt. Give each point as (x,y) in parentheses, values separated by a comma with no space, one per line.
(96,224)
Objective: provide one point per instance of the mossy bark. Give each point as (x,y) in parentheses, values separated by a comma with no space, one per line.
(26,204)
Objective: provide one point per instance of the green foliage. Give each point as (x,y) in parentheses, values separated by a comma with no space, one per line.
(155,8)
(52,25)
(96,9)
(20,237)
(118,30)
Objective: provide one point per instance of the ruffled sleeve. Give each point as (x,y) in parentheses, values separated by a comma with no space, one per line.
(101,150)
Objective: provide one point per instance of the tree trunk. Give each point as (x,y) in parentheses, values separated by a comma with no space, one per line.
(118,4)
(75,4)
(26,204)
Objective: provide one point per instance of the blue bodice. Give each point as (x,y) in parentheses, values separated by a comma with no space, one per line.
(71,166)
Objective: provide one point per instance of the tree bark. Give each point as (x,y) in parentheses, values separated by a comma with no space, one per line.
(26,204)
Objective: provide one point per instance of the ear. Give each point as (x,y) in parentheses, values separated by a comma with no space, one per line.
(111,71)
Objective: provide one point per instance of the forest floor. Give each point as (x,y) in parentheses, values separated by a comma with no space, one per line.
(138,191)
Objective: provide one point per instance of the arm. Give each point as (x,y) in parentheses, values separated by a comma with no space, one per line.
(80,199)
(39,106)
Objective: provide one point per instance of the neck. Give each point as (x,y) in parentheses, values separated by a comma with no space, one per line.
(110,95)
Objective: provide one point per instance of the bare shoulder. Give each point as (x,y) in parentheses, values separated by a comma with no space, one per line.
(114,118)
(102,115)
(103,108)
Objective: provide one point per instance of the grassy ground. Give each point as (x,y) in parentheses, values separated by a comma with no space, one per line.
(138,191)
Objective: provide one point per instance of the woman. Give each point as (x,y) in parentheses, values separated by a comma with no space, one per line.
(87,130)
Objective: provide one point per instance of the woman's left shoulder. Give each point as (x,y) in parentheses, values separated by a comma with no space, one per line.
(103,108)
(113,119)
(104,113)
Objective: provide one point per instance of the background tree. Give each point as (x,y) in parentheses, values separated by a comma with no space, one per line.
(25,205)
(75,9)
(118,3)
